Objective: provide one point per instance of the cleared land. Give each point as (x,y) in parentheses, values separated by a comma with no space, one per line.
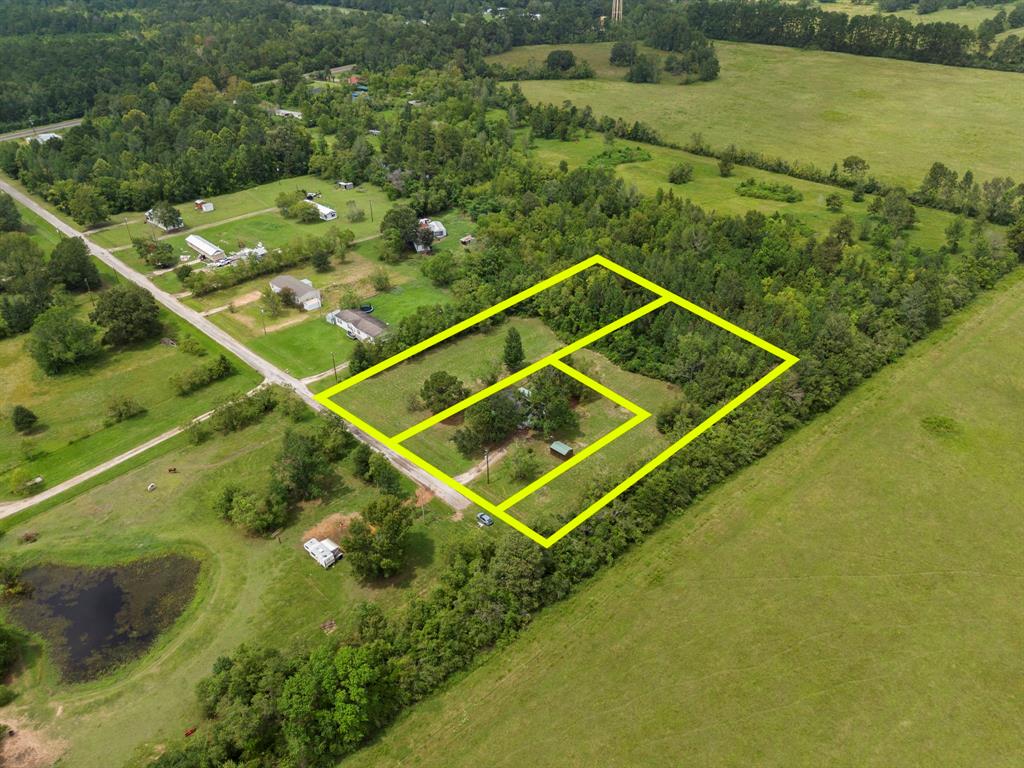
(854,599)
(817,107)
(72,435)
(968,15)
(711,191)
(383,400)
(250,590)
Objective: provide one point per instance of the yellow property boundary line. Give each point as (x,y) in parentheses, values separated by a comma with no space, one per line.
(394,442)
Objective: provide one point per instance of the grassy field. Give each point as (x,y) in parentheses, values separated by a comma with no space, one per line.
(715,193)
(42,234)
(854,599)
(383,400)
(251,590)
(817,107)
(72,436)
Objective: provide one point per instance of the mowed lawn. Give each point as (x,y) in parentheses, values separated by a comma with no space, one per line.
(251,590)
(712,192)
(854,599)
(383,400)
(72,435)
(816,107)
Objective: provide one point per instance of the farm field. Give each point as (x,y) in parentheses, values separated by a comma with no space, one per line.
(853,599)
(816,107)
(71,435)
(967,15)
(711,191)
(250,589)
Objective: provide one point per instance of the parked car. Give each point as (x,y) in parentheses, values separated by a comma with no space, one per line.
(483,519)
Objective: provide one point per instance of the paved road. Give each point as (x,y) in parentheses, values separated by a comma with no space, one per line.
(269,371)
(24,133)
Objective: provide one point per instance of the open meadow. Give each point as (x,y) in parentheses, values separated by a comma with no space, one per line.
(815,107)
(853,599)
(254,590)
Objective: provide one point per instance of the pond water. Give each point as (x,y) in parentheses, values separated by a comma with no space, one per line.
(94,619)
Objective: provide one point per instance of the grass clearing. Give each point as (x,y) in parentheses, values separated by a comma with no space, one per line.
(71,435)
(250,589)
(853,599)
(247,203)
(816,107)
(712,192)
(475,357)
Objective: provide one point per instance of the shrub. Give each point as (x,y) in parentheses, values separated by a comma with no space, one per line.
(522,464)
(121,408)
(196,378)
(623,54)
(768,190)
(190,346)
(680,173)
(23,419)
(834,202)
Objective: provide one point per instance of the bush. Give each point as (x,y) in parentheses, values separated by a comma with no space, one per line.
(623,54)
(646,69)
(121,408)
(522,464)
(7,695)
(560,60)
(680,173)
(725,166)
(183,272)
(769,190)
(196,378)
(834,202)
(241,411)
(190,346)
(23,419)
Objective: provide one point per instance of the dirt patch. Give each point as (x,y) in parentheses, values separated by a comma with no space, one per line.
(423,496)
(28,748)
(332,527)
(247,298)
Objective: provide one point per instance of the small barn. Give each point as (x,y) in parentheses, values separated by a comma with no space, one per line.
(561,450)
(207,251)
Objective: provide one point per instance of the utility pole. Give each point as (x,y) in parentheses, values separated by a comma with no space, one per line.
(487,462)
(127,228)
(371,210)
(263,318)
(334,365)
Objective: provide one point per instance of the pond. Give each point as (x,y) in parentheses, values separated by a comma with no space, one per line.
(95,619)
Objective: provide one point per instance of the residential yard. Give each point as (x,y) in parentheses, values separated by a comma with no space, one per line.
(712,192)
(853,599)
(71,435)
(251,203)
(302,342)
(251,590)
(817,107)
(475,357)
(42,234)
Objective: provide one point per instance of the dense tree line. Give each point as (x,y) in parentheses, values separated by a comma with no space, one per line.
(800,26)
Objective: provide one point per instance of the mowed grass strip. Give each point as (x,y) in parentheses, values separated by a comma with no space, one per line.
(853,599)
(251,590)
(816,107)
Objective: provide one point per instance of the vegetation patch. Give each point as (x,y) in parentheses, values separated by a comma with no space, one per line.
(613,156)
(768,190)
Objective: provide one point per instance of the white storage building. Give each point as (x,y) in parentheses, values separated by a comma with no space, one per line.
(206,250)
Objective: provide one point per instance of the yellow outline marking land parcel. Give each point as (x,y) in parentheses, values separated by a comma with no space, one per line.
(556,360)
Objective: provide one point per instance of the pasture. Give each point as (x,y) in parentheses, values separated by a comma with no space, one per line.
(853,599)
(254,590)
(816,107)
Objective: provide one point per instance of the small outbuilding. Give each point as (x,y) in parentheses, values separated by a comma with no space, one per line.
(467,240)
(346,185)
(358,325)
(292,113)
(43,138)
(203,206)
(561,450)
(434,226)
(207,251)
(326,213)
(303,293)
